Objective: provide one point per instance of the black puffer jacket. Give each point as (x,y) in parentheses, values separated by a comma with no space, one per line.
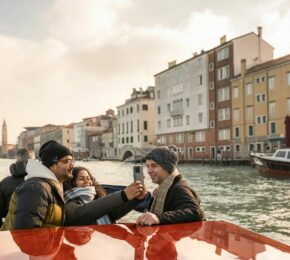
(9,185)
(182,204)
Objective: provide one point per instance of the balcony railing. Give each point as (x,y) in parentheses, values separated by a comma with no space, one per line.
(177,112)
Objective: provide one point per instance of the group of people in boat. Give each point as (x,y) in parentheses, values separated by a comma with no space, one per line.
(52,192)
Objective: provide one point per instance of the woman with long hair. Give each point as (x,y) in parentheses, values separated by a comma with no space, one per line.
(86,201)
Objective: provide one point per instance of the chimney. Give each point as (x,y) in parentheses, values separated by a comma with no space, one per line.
(171,64)
(260,29)
(243,67)
(260,43)
(223,39)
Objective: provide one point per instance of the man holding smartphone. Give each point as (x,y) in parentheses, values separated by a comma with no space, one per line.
(173,201)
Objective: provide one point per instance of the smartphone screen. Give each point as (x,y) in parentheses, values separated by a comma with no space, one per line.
(138,173)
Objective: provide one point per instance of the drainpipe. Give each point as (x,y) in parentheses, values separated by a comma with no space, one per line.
(259,43)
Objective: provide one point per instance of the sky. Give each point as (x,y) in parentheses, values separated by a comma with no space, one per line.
(65,60)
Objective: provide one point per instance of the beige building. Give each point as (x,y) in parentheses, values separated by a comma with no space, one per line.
(136,123)
(260,103)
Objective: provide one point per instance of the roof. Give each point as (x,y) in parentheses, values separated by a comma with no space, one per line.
(269,64)
(216,47)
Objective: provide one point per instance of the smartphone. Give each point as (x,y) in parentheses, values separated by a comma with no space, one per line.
(138,173)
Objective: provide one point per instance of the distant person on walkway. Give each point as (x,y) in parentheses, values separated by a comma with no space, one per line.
(10,183)
(219,155)
(87,202)
(39,202)
(173,201)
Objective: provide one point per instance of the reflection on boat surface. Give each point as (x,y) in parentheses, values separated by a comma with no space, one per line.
(199,240)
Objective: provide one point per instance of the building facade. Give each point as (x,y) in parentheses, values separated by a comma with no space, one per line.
(193,98)
(136,124)
(260,103)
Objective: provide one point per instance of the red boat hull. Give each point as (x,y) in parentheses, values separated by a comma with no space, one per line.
(199,240)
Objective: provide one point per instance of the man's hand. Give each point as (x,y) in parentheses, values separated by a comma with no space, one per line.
(134,190)
(148,219)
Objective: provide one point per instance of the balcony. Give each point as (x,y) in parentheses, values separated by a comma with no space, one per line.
(177,112)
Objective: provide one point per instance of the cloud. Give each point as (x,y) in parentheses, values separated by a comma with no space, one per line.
(94,53)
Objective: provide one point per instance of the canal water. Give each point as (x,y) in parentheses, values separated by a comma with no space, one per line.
(235,194)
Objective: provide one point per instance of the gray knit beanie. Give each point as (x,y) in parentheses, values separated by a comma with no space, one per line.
(166,157)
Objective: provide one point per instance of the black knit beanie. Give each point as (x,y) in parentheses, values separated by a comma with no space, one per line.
(166,157)
(51,152)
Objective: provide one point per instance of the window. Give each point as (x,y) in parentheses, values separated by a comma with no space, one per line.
(288,105)
(145,125)
(212,124)
(168,122)
(127,127)
(261,97)
(223,54)
(237,132)
(249,113)
(158,94)
(271,83)
(237,147)
(199,99)
(211,106)
(187,102)
(159,124)
(187,120)
(200,117)
(223,72)
(250,130)
(158,110)
(211,66)
(272,128)
(260,79)
(249,89)
(236,114)
(200,136)
(144,107)
(211,85)
(179,138)
(145,138)
(224,114)
(138,108)
(131,110)
(272,108)
(223,94)
(261,120)
(132,139)
(200,149)
(123,128)
(199,80)
(177,121)
(168,107)
(138,125)
(224,134)
(190,137)
(131,126)
(288,78)
(236,92)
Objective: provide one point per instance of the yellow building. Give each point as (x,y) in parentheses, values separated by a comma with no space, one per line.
(260,103)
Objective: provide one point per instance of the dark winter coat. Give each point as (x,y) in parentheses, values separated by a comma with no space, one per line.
(37,202)
(182,204)
(9,185)
(79,213)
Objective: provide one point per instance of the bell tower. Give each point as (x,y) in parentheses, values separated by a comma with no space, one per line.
(4,147)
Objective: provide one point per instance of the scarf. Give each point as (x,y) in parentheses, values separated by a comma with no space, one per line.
(159,194)
(86,194)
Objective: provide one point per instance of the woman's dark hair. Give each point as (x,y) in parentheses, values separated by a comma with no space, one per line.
(101,192)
